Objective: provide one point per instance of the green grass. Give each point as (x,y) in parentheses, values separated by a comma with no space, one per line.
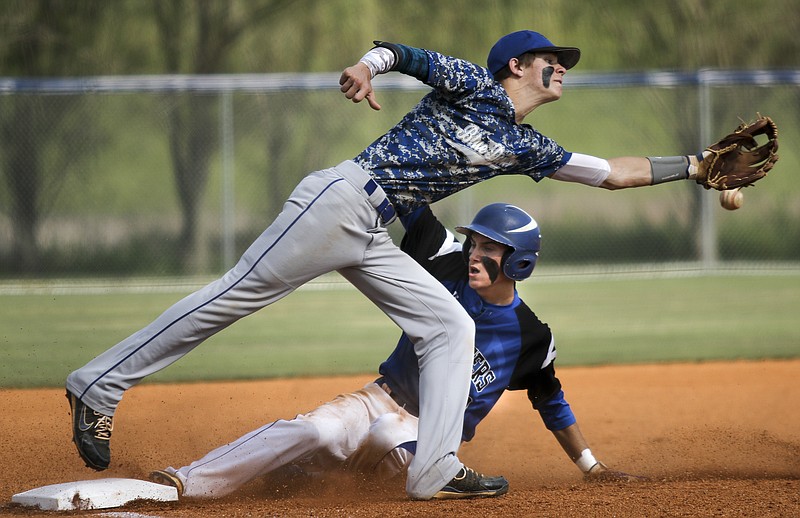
(684,319)
(330,332)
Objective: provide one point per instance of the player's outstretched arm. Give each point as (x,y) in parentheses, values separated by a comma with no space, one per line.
(575,446)
(628,171)
(641,171)
(572,442)
(737,160)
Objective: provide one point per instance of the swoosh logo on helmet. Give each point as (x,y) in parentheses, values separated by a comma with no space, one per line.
(531,225)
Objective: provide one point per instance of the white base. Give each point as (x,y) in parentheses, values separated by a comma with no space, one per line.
(94,494)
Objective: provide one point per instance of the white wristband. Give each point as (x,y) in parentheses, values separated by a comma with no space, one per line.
(693,169)
(586,460)
(379,60)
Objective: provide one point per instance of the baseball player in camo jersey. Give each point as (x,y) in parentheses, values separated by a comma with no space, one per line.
(374,429)
(469,128)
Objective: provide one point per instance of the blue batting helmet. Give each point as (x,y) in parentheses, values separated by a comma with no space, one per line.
(510,226)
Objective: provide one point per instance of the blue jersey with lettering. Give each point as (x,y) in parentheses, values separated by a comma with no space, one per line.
(514,350)
(461,133)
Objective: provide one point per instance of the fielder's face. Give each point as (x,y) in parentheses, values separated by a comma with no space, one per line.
(545,76)
(485,270)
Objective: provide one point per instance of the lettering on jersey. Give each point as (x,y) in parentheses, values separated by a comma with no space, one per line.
(482,373)
(471,135)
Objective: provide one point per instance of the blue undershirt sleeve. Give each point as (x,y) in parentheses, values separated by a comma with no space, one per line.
(556,412)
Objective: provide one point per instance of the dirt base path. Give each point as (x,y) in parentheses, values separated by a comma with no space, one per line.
(716,439)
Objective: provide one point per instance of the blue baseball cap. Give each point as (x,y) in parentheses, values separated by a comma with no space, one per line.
(518,43)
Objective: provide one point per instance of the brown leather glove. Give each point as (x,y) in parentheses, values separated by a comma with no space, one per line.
(738,160)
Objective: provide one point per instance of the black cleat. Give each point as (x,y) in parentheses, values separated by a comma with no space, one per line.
(470,484)
(165,478)
(91,433)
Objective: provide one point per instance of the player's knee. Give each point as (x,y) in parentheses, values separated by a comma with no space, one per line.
(329,435)
(379,453)
(467,327)
(462,332)
(390,430)
(310,432)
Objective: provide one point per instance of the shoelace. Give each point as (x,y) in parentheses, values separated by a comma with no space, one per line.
(470,470)
(468,473)
(103,427)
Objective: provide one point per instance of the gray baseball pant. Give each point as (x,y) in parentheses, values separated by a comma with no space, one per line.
(330,222)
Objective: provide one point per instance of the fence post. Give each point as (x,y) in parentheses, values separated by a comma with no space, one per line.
(228,212)
(708,225)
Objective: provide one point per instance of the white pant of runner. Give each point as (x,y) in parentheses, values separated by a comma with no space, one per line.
(358,431)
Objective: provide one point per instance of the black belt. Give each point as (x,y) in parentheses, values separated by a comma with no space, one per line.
(384,207)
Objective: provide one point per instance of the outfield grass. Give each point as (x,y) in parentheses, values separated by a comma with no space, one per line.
(691,318)
(595,321)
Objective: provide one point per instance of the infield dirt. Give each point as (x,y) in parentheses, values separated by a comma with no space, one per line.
(715,439)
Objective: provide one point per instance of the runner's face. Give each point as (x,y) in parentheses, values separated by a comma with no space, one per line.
(485,261)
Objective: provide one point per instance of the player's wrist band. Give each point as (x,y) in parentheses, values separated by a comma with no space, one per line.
(668,168)
(379,60)
(693,168)
(586,461)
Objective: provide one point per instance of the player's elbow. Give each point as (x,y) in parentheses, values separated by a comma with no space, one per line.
(627,172)
(614,184)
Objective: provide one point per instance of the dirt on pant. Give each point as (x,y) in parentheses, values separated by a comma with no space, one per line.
(714,439)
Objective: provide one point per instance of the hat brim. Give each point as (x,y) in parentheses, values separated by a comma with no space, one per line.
(485,232)
(568,57)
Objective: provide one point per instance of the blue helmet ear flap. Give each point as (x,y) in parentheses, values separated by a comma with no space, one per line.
(519,264)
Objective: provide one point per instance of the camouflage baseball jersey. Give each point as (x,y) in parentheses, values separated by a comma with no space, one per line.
(461,133)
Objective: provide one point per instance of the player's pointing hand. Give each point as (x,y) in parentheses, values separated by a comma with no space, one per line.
(356,85)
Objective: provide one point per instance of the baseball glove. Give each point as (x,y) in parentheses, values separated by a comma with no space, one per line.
(738,160)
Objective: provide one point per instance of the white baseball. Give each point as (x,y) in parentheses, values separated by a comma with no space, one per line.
(732,199)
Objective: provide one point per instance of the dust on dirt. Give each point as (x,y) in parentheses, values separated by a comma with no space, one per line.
(715,439)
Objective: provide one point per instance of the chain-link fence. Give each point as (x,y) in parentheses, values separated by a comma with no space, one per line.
(175,175)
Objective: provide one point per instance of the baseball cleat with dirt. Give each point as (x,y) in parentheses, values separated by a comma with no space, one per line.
(166,478)
(91,433)
(470,484)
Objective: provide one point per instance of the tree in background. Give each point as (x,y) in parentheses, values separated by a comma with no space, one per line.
(98,37)
(198,38)
(41,38)
(688,35)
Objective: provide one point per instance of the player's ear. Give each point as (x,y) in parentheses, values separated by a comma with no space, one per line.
(515,66)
